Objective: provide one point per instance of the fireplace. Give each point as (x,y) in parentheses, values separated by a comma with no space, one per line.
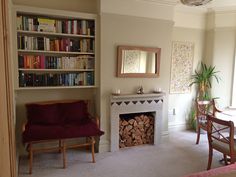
(136,129)
(136,104)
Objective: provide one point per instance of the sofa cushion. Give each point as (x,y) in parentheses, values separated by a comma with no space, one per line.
(85,129)
(73,112)
(43,114)
(42,132)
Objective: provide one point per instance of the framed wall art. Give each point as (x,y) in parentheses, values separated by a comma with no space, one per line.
(181,66)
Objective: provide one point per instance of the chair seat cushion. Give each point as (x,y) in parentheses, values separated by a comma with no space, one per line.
(42,132)
(85,129)
(222,147)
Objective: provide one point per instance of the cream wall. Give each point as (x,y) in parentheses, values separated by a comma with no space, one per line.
(182,103)
(141,8)
(209,47)
(88,6)
(223,59)
(129,30)
(221,45)
(215,45)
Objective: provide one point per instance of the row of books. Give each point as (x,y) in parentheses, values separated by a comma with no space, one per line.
(56,79)
(75,26)
(55,62)
(58,44)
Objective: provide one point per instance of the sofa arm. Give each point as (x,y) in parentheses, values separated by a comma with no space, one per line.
(23,127)
(95,119)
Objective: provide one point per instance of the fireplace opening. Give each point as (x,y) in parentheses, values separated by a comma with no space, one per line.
(136,129)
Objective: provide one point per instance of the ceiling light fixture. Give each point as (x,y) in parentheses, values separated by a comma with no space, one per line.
(194,2)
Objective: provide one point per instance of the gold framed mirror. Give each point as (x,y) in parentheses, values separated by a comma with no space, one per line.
(134,61)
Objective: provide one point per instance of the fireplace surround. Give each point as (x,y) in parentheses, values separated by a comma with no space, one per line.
(135,103)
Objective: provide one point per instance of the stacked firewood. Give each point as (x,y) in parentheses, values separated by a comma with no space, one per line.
(136,131)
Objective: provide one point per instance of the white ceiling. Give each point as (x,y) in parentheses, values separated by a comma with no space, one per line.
(212,4)
(221,4)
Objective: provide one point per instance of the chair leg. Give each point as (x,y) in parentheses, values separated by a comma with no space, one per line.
(232,160)
(63,152)
(225,159)
(30,158)
(198,135)
(210,158)
(92,148)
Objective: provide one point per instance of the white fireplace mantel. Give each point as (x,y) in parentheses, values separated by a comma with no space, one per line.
(135,103)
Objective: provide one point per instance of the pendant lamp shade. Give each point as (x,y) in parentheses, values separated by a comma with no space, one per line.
(194,2)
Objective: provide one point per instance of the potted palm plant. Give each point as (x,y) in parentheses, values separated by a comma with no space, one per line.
(203,79)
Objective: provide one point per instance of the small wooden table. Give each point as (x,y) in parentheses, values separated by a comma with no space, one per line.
(228,114)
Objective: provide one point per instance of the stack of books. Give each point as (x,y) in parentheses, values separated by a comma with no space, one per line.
(41,24)
(56,79)
(55,62)
(55,44)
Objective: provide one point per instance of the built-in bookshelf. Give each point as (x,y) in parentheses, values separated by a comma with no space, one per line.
(55,50)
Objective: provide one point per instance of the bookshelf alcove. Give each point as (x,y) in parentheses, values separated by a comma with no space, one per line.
(55,49)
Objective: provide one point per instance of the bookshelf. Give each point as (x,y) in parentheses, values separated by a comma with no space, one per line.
(55,49)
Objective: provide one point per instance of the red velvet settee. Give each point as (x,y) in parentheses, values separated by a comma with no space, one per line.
(59,121)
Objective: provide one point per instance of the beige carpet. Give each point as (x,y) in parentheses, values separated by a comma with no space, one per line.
(175,158)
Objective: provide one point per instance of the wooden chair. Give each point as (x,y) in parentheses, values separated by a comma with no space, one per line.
(221,138)
(202,109)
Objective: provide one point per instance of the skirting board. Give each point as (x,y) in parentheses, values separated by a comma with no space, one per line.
(104,145)
(177,126)
(165,136)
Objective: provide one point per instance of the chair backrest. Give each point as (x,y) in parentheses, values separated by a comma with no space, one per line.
(204,107)
(221,135)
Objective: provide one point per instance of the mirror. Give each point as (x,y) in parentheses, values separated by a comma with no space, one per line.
(138,61)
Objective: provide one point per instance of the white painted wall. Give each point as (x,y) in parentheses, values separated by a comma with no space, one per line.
(221,52)
(141,8)
(190,17)
(88,6)
(182,102)
(129,30)
(223,59)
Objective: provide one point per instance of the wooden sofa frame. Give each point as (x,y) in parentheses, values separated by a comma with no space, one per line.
(62,147)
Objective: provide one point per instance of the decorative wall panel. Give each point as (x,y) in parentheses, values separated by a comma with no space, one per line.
(181,66)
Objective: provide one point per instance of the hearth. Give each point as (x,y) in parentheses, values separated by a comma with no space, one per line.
(136,129)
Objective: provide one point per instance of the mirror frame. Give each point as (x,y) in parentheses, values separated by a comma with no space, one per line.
(157,52)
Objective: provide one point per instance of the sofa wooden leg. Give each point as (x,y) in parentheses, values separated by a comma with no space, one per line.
(64,153)
(92,148)
(87,140)
(30,158)
(60,146)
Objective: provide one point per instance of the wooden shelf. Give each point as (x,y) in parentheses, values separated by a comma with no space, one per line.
(55,87)
(54,52)
(55,70)
(53,34)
